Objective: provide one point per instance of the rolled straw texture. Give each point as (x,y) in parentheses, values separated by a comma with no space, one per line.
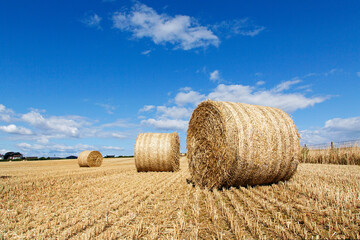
(90,159)
(237,144)
(158,152)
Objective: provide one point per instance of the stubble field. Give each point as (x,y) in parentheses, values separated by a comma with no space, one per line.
(57,199)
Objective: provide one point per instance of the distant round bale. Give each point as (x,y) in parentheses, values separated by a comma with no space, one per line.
(237,144)
(159,152)
(90,159)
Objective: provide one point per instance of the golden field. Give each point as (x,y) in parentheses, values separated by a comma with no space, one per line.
(57,199)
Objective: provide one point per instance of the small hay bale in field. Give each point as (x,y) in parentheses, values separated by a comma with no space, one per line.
(158,152)
(90,159)
(237,144)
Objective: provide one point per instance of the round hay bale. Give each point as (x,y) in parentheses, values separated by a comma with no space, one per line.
(238,144)
(158,152)
(90,159)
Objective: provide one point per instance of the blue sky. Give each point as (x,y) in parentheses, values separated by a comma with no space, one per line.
(79,75)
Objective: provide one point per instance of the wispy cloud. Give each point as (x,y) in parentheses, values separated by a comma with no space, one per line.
(244,27)
(6,114)
(166,124)
(147,108)
(147,52)
(332,71)
(215,76)
(92,20)
(113,148)
(181,31)
(122,123)
(358,74)
(108,108)
(174,112)
(259,83)
(326,74)
(286,85)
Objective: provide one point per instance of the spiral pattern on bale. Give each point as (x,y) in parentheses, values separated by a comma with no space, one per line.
(90,159)
(158,152)
(238,144)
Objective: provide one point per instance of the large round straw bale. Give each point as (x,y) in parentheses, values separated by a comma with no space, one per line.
(157,152)
(237,144)
(90,159)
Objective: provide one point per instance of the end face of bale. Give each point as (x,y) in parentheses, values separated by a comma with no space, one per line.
(211,154)
(158,152)
(236,144)
(90,159)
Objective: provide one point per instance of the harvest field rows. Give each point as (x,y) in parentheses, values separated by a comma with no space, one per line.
(57,199)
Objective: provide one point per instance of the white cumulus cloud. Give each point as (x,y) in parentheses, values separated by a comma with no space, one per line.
(38,132)
(344,124)
(12,128)
(177,117)
(247,94)
(336,130)
(62,125)
(182,31)
(44,128)
(189,97)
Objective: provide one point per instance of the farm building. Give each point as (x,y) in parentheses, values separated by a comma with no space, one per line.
(13,156)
